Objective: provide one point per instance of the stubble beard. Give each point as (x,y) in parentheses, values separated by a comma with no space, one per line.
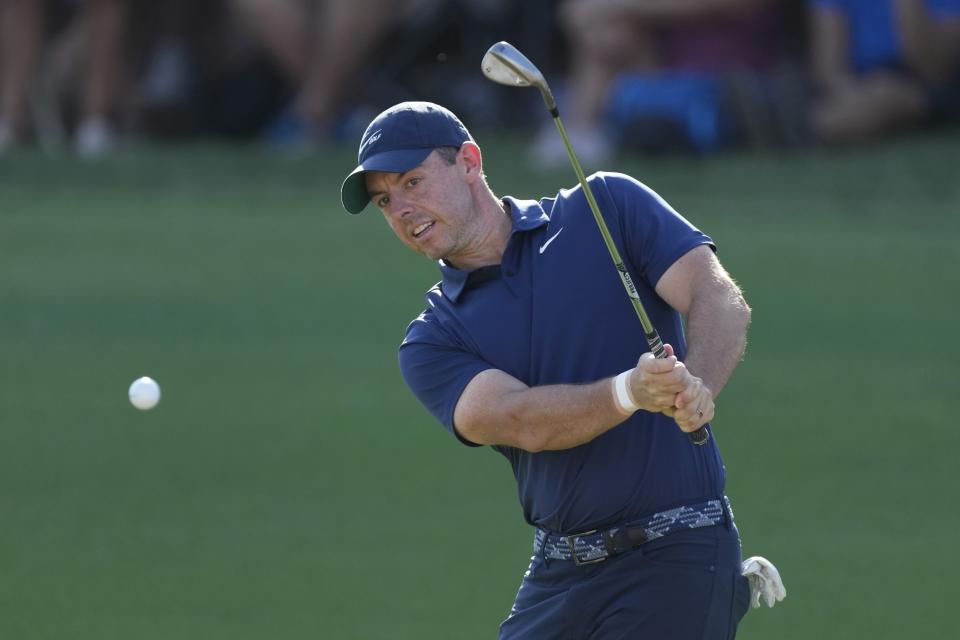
(456,245)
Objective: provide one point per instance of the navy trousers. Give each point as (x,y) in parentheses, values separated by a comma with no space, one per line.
(684,586)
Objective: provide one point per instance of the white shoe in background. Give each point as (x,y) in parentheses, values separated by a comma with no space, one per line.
(94,138)
(590,144)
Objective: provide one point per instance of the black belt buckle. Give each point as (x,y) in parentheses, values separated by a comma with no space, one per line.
(572,543)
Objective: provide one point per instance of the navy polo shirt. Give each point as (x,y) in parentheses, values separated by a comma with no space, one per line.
(555,312)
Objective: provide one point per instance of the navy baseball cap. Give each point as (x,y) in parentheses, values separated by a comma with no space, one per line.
(398,140)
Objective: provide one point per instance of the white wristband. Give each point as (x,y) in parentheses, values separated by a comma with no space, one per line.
(622,395)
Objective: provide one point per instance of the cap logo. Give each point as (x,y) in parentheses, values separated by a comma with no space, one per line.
(370,140)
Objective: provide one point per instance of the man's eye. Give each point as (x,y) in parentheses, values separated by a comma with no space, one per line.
(382,202)
(412,182)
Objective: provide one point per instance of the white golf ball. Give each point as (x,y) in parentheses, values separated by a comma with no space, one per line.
(144,393)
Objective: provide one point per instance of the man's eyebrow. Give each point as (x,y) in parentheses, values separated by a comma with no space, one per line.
(399,178)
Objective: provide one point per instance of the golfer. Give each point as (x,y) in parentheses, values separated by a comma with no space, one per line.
(530,345)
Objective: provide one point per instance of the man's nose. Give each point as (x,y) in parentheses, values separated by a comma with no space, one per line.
(399,208)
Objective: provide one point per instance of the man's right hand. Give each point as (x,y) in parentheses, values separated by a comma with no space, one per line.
(655,383)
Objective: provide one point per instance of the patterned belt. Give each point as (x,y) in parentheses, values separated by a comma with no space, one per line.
(596,546)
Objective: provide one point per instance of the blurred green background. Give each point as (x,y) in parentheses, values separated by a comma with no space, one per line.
(288,485)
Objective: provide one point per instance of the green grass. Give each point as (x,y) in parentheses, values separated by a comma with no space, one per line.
(288,486)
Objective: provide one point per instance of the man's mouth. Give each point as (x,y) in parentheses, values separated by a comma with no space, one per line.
(421,229)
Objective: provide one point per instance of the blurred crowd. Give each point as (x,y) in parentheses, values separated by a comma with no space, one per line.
(645,75)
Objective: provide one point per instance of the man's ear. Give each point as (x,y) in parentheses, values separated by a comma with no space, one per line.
(471,158)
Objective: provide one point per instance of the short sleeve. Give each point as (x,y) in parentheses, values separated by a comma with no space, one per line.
(437,370)
(655,235)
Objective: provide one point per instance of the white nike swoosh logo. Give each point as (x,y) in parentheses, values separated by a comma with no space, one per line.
(546,244)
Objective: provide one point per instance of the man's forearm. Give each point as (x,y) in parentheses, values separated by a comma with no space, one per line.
(496,408)
(560,416)
(716,328)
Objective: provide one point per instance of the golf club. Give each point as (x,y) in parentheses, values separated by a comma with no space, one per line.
(505,64)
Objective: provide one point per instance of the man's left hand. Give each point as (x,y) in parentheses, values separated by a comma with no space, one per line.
(693,407)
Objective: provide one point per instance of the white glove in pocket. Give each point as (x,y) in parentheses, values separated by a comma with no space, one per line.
(764,581)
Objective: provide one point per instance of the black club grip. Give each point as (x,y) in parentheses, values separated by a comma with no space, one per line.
(700,436)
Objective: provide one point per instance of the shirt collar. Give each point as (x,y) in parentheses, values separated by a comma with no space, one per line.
(527,215)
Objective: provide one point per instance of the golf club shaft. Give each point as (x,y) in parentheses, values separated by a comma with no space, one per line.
(701,435)
(505,64)
(653,338)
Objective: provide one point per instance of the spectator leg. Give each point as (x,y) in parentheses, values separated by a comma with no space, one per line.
(21,33)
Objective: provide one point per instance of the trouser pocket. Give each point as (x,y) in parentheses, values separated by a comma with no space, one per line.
(731,599)
(741,602)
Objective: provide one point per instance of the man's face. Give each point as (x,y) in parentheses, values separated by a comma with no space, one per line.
(429,207)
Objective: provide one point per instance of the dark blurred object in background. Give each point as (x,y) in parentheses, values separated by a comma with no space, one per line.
(346,60)
(321,48)
(883,65)
(436,54)
(201,73)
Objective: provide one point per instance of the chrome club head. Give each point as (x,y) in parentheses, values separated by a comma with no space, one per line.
(504,63)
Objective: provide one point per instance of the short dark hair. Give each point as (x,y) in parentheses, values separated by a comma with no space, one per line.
(448,154)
